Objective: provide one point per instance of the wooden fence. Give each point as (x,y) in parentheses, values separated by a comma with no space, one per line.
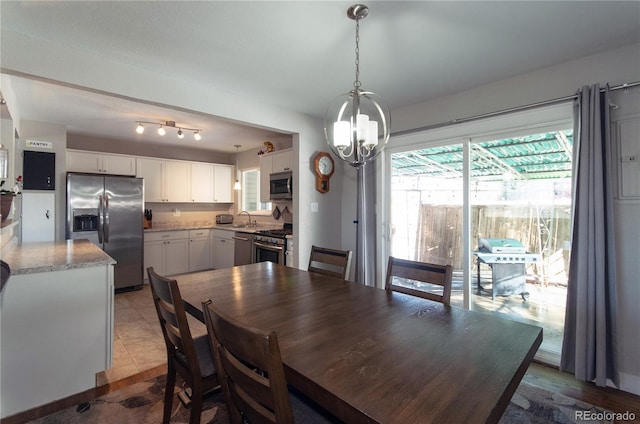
(544,230)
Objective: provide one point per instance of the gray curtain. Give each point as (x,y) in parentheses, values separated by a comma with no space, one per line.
(589,345)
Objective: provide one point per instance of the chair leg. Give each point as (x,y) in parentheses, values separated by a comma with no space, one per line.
(168,393)
(196,407)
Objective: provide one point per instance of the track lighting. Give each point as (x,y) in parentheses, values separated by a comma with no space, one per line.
(169,124)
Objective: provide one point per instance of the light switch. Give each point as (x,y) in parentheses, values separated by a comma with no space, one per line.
(314,206)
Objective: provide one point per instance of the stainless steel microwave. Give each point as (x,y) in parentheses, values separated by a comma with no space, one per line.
(281,185)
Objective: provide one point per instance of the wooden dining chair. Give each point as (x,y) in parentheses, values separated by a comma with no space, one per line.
(191,358)
(440,275)
(252,375)
(335,263)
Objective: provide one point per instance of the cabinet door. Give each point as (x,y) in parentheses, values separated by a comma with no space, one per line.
(84,162)
(202,182)
(118,165)
(177,176)
(154,253)
(266,167)
(177,256)
(222,184)
(151,171)
(199,254)
(282,162)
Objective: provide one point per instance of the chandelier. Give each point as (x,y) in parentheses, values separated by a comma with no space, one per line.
(356,124)
(169,124)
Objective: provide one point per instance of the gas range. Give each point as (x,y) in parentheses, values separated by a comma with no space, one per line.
(276,237)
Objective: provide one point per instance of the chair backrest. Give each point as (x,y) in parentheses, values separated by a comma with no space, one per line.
(250,369)
(173,321)
(440,275)
(335,263)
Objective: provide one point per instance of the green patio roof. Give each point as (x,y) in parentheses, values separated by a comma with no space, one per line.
(539,156)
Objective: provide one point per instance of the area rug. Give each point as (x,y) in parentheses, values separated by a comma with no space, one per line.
(141,403)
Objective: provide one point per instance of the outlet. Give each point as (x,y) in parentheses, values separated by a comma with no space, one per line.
(314,206)
(176,212)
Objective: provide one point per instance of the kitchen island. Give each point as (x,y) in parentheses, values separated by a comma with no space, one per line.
(56,319)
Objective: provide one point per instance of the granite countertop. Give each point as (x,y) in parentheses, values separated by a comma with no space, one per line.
(227,227)
(31,258)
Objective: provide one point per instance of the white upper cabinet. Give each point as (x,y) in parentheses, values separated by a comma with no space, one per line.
(201,182)
(222,190)
(280,161)
(165,180)
(152,172)
(177,180)
(100,163)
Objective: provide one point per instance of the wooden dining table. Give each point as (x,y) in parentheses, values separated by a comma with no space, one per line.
(372,356)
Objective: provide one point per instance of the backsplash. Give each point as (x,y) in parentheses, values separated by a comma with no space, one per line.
(177,215)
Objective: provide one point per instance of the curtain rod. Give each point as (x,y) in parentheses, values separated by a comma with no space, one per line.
(510,110)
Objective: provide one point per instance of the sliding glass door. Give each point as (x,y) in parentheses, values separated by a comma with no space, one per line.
(518,203)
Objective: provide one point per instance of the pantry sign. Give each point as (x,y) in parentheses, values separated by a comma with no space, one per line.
(40,144)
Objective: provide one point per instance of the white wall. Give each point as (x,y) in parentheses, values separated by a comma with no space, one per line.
(69,66)
(57,135)
(616,67)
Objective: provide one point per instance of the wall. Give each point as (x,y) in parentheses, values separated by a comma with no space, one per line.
(57,135)
(616,67)
(125,147)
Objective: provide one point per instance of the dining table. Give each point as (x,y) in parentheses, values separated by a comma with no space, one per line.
(369,355)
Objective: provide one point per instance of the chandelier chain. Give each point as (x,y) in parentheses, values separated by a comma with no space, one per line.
(356,83)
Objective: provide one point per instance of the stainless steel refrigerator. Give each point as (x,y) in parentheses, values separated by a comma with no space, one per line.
(107,210)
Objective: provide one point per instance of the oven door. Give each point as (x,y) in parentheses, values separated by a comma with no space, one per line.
(268,253)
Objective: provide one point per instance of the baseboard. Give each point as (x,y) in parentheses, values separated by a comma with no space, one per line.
(630,383)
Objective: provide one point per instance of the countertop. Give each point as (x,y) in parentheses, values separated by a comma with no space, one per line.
(227,227)
(31,258)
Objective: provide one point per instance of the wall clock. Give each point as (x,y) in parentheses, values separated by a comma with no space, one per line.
(324,167)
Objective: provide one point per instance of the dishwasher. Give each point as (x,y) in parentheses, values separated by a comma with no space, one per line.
(243,248)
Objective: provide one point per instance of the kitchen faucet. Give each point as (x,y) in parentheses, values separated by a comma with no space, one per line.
(249,215)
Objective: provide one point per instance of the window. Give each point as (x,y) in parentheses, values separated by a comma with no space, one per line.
(250,198)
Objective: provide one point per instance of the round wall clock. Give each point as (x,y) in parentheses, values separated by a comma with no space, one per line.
(324,168)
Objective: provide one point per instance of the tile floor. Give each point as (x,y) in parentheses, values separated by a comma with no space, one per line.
(138,344)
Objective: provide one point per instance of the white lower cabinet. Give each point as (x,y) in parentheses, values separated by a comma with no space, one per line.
(57,333)
(223,245)
(199,250)
(167,252)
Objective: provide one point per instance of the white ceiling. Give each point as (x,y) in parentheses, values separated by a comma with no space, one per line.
(299,55)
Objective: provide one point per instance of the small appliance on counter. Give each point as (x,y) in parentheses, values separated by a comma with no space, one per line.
(224,218)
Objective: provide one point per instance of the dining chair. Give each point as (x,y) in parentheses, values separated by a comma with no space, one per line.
(189,357)
(440,275)
(252,375)
(335,263)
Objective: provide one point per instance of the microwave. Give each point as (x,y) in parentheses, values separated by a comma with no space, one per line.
(281,185)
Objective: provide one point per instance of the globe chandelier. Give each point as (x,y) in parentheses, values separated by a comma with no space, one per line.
(357,123)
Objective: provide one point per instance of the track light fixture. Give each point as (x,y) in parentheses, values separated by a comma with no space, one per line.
(171,124)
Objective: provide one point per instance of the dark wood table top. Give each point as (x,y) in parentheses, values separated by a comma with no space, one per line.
(368,355)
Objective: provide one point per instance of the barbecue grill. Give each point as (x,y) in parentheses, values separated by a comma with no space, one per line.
(507,259)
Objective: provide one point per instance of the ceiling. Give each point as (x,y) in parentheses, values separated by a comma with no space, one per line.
(299,55)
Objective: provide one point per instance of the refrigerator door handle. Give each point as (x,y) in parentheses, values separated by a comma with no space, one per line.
(101,219)
(106,218)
